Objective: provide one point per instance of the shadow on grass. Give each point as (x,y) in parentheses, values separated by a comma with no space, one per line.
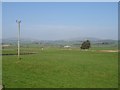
(27,53)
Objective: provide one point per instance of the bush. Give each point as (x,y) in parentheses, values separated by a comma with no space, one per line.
(86,45)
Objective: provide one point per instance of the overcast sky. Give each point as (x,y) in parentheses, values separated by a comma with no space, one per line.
(53,21)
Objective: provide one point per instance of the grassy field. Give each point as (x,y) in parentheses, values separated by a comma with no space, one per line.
(0,70)
(59,68)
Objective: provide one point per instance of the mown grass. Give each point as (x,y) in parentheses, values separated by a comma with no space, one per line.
(58,68)
(0,70)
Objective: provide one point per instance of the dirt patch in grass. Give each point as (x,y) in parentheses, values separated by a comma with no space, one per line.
(108,51)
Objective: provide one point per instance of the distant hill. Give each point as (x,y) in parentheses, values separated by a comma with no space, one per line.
(84,38)
(71,41)
(14,40)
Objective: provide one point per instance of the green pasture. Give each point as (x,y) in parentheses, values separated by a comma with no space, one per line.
(60,68)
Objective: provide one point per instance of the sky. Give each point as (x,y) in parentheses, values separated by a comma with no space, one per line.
(58,21)
(60,0)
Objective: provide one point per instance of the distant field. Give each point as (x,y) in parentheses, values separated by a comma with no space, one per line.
(61,68)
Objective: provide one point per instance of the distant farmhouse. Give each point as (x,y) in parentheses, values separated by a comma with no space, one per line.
(67,46)
(5,45)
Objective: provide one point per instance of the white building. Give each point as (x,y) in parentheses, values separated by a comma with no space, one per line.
(67,46)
